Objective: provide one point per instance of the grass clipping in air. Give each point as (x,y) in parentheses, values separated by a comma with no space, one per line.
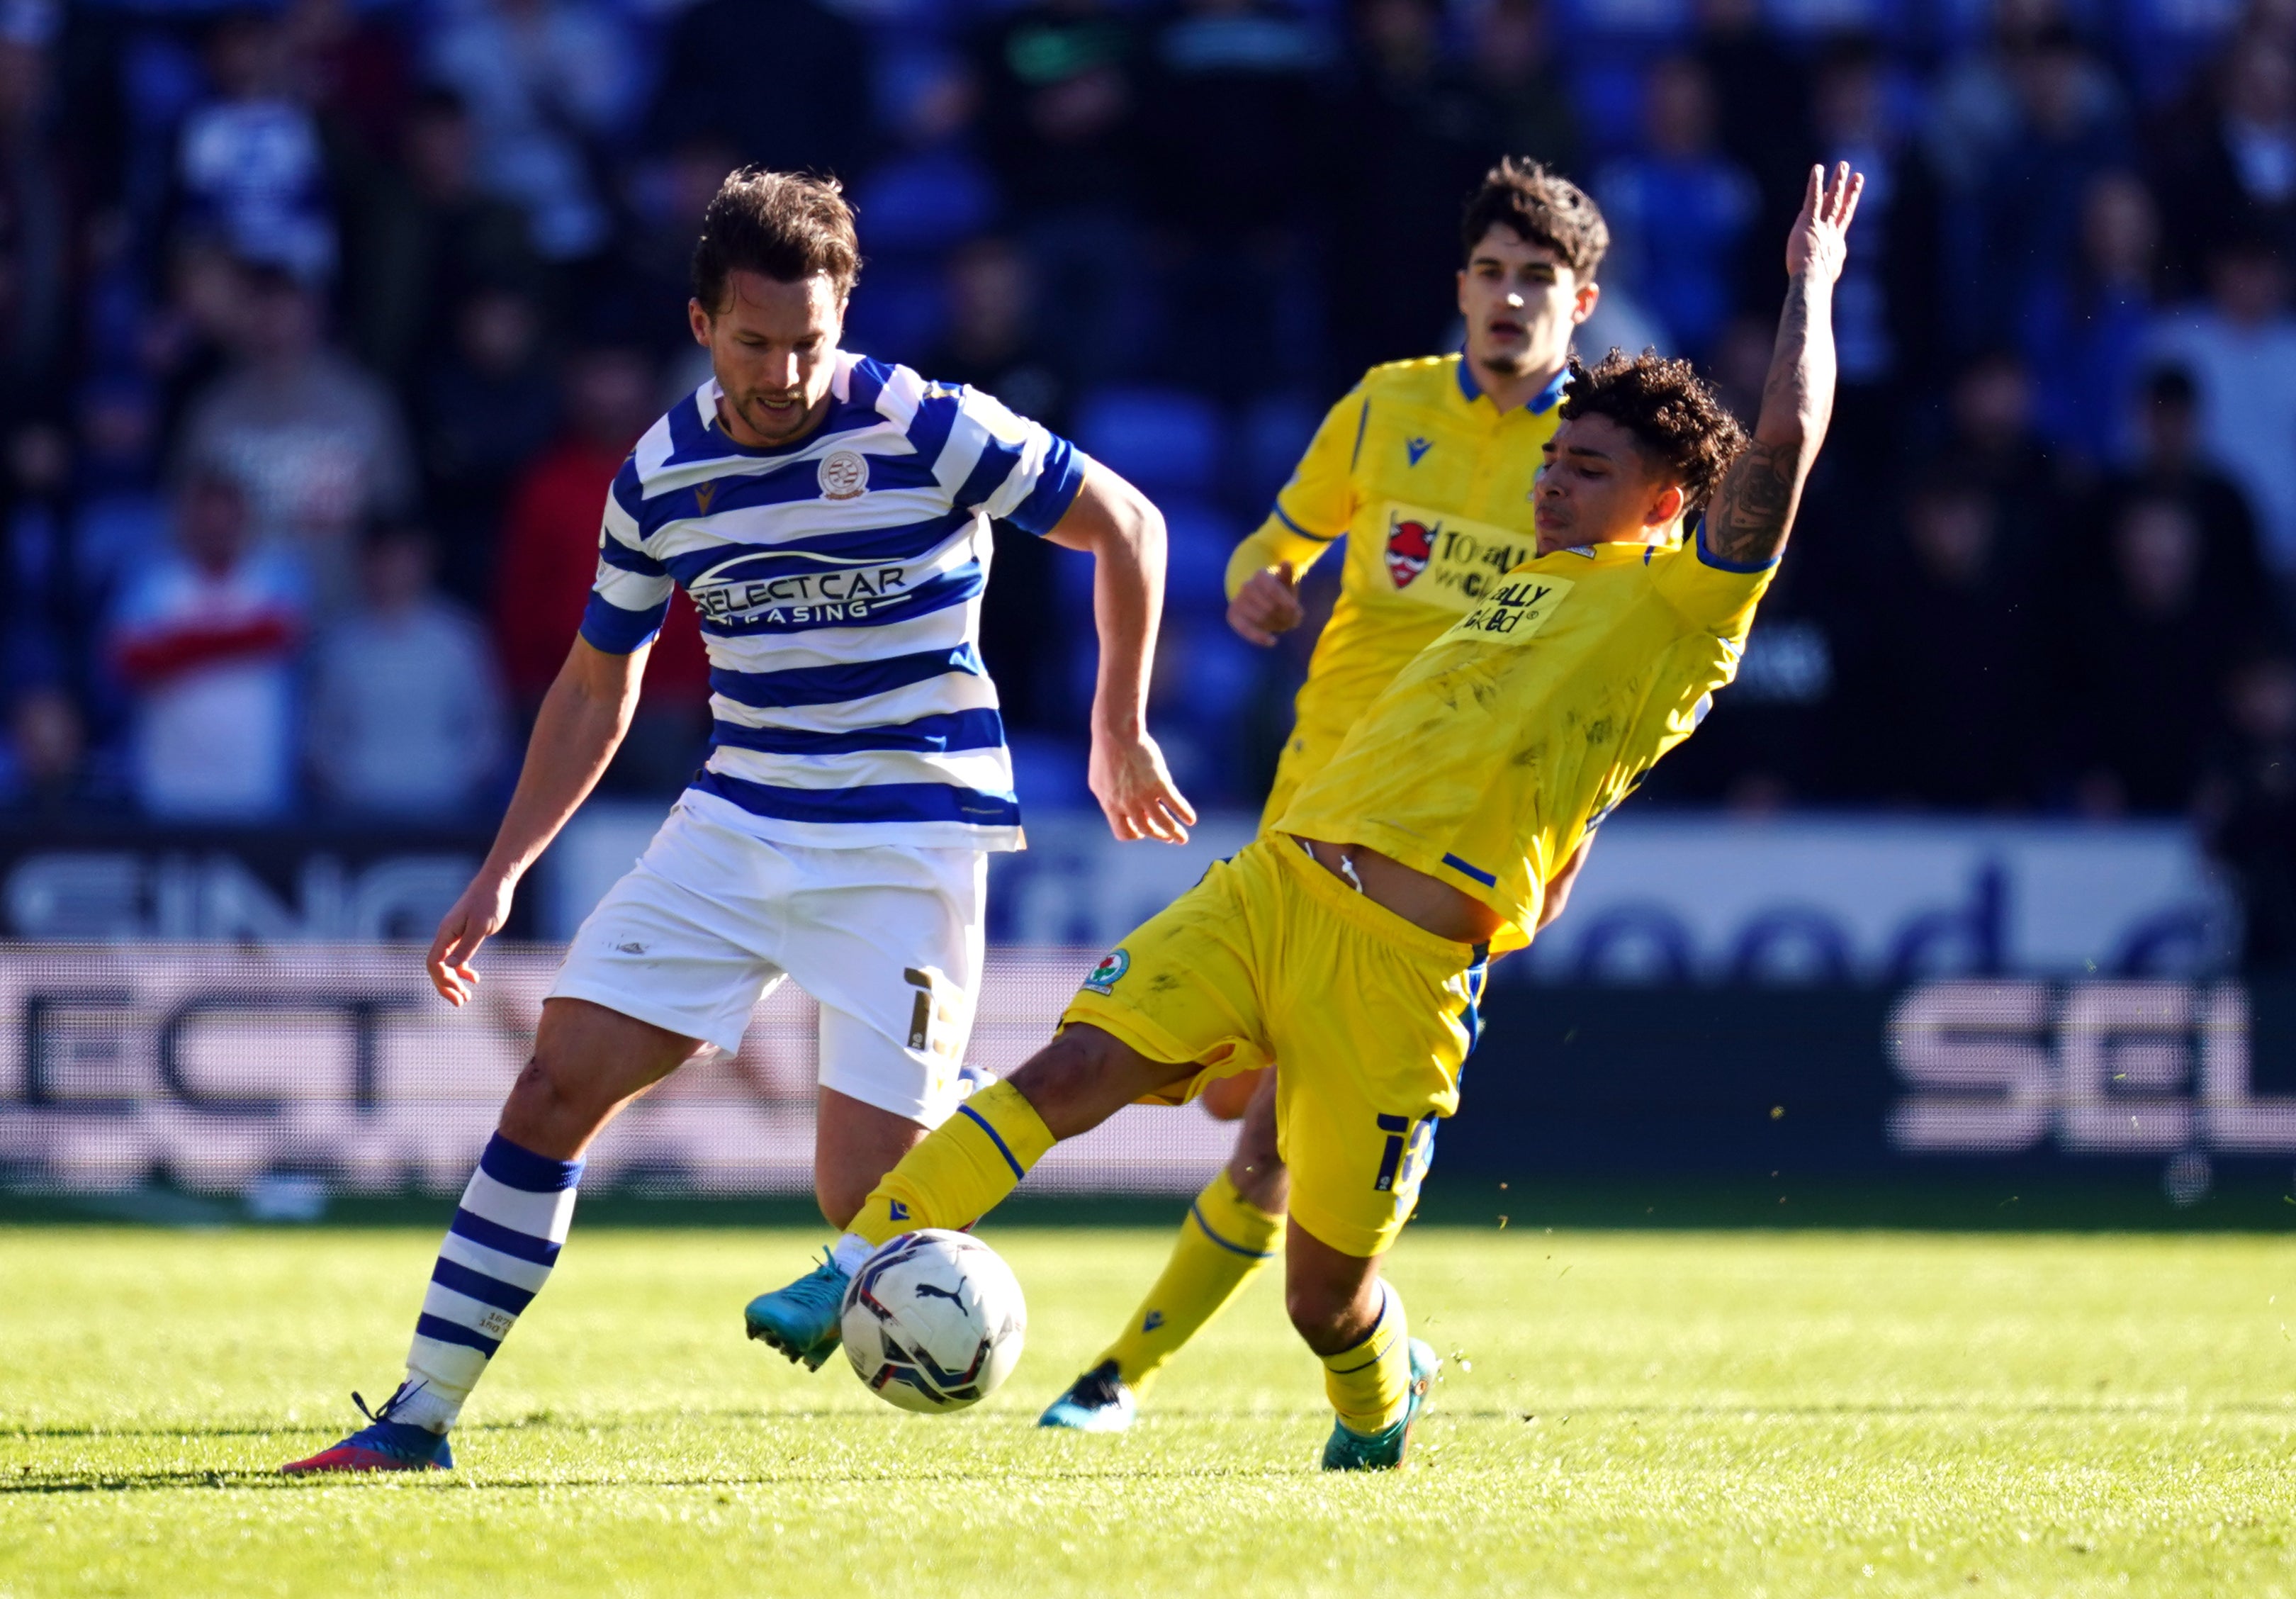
(1677,1415)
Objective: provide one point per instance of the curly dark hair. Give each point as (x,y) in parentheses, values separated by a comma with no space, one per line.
(1543,207)
(1669,409)
(786,225)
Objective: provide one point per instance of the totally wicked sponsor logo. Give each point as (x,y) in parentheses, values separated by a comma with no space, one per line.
(1448,561)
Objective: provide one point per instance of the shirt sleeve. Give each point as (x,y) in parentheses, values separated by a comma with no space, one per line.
(1716,595)
(631,593)
(1313,510)
(1025,474)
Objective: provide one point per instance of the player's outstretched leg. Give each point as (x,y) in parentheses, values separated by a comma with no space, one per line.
(1233,1230)
(964,1168)
(506,1237)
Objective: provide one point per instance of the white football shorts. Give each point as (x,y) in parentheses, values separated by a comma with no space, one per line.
(887,939)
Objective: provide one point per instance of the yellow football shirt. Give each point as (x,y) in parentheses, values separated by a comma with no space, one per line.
(1431,483)
(1504,742)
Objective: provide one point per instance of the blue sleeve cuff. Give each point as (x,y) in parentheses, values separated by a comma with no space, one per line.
(1277,510)
(1056,488)
(1720,565)
(610,629)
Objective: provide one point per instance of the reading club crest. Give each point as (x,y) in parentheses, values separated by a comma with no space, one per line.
(1409,547)
(844,474)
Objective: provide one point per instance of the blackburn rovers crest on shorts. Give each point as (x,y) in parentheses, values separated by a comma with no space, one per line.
(844,474)
(1112,967)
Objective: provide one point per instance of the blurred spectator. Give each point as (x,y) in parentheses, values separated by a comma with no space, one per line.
(1993,446)
(2031,193)
(2140,670)
(38,219)
(349,64)
(207,635)
(545,80)
(668,200)
(2083,331)
(2226,164)
(991,342)
(1413,138)
(427,237)
(550,556)
(2169,466)
(486,409)
(249,162)
(1679,210)
(2240,347)
(1886,304)
(2249,810)
(316,444)
(405,713)
(1060,121)
(1762,94)
(1981,102)
(1512,58)
(1235,94)
(811,115)
(1940,664)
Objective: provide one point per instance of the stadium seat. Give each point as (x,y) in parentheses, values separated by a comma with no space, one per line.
(1165,440)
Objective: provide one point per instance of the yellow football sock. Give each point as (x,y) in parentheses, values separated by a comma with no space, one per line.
(1224,1242)
(962,1170)
(1369,1383)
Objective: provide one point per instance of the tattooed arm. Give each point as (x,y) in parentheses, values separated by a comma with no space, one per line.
(1754,508)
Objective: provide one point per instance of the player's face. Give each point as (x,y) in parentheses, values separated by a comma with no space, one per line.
(773,347)
(1598,485)
(1520,302)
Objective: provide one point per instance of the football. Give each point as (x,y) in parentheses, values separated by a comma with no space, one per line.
(934,1321)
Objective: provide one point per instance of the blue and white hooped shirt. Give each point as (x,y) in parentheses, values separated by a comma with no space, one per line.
(838,582)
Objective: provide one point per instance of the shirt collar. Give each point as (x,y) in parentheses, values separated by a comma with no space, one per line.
(1537,404)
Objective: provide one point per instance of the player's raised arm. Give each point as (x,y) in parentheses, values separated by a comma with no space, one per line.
(1124,533)
(581,724)
(1754,509)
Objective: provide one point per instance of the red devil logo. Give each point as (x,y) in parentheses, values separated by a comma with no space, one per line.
(1409,545)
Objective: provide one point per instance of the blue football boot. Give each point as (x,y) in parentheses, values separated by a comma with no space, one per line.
(801,1320)
(1099,1401)
(383,1445)
(1383,1451)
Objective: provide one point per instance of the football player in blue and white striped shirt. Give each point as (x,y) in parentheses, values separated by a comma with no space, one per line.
(829,516)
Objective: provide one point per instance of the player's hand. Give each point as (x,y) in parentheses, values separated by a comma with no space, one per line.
(1129,777)
(1819,242)
(1267,604)
(476,917)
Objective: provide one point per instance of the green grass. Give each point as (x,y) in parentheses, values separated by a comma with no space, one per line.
(1691,1414)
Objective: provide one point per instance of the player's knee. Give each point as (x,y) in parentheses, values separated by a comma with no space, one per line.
(1324,1313)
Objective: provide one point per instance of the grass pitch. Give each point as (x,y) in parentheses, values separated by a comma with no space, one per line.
(1677,1415)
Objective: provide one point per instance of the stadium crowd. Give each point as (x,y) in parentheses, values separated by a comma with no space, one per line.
(323,328)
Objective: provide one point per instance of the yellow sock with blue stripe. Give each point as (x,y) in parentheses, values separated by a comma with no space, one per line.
(1369,1381)
(1226,1241)
(963,1170)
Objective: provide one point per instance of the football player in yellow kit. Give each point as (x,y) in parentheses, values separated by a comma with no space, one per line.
(1426,468)
(1349,940)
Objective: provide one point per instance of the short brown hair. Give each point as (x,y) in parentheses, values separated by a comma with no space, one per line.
(1669,409)
(1543,207)
(787,225)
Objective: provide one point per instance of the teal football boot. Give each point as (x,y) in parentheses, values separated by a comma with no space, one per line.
(1383,1451)
(801,1320)
(1099,1401)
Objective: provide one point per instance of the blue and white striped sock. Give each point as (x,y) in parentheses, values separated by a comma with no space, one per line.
(497,1255)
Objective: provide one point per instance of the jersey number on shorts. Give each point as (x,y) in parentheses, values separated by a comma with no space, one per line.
(1404,1160)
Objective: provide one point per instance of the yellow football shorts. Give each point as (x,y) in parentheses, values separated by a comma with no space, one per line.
(1270,957)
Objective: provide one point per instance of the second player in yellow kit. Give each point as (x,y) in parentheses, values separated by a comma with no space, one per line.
(1430,483)
(1345,942)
